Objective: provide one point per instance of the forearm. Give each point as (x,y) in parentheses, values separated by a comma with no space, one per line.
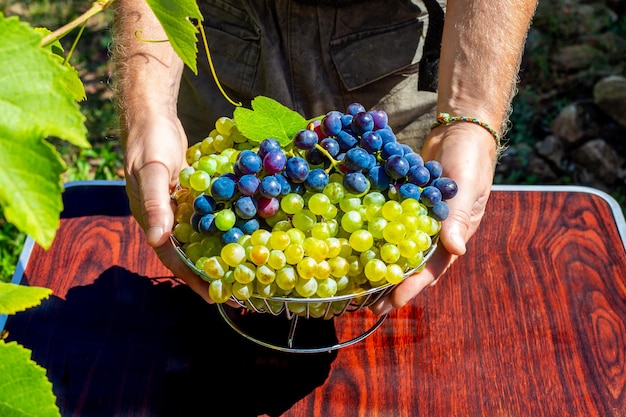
(147,70)
(481,51)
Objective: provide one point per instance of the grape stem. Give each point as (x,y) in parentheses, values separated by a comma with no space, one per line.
(333,161)
(96,7)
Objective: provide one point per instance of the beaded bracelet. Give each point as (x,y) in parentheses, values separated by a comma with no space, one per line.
(445,118)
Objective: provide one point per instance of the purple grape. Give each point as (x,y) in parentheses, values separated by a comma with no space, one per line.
(268,145)
(270,187)
(267,207)
(248,184)
(315,157)
(331,123)
(371,141)
(285,186)
(305,139)
(223,188)
(362,122)
(249,162)
(380,118)
(440,211)
(447,186)
(418,175)
(435,169)
(396,166)
(274,161)
(355,108)
(430,196)
(316,180)
(246,207)
(346,120)
(331,146)
(297,169)
(355,182)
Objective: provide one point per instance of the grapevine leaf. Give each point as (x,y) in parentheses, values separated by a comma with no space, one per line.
(175,16)
(268,119)
(26,390)
(15,298)
(35,103)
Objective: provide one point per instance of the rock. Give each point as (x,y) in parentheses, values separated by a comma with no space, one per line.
(575,57)
(609,95)
(574,122)
(599,158)
(552,149)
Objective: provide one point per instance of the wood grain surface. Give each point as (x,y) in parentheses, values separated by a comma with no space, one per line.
(531,322)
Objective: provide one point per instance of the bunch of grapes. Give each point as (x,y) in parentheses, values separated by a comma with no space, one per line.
(342,209)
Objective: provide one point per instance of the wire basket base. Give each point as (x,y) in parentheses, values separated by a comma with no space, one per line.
(288,335)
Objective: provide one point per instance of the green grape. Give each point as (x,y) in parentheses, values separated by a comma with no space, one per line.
(207,164)
(200,262)
(394,232)
(343,283)
(199,181)
(428,224)
(376,227)
(296,236)
(356,266)
(265,274)
(183,213)
(193,153)
(211,245)
(215,267)
(349,203)
(245,273)
(222,142)
(265,290)
(194,251)
(352,221)
(297,308)
(389,253)
(220,291)
(411,205)
(415,261)
(241,291)
(321,231)
(282,226)
(307,267)
(206,146)
(391,210)
(294,253)
(245,241)
(183,176)
(334,246)
(279,240)
(292,203)
(346,249)
(286,278)
(304,220)
(323,270)
(315,248)
(374,211)
(331,213)
(422,240)
(261,237)
(279,216)
(408,248)
(233,254)
(326,288)
(306,287)
(196,237)
(225,219)
(339,266)
(361,240)
(277,259)
(224,125)
(259,254)
(374,198)
(366,256)
(229,276)
(333,226)
(319,203)
(374,270)
(182,232)
(334,191)
(410,222)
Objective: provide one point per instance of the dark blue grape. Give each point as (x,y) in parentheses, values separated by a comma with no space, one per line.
(331,146)
(206,225)
(380,118)
(430,196)
(406,149)
(391,148)
(355,108)
(346,120)
(435,169)
(362,122)
(274,161)
(331,123)
(418,175)
(316,180)
(440,211)
(305,139)
(248,184)
(414,159)
(195,220)
(447,186)
(379,179)
(315,157)
(372,161)
(268,145)
(285,185)
(396,166)
(248,226)
(355,182)
(223,188)
(249,162)
(297,169)
(270,187)
(245,207)
(204,204)
(232,235)
(346,140)
(408,190)
(371,141)
(357,159)
(387,135)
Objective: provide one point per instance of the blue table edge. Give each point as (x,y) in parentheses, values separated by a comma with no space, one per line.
(618,215)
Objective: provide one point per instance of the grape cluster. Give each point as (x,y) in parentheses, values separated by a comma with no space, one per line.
(343,208)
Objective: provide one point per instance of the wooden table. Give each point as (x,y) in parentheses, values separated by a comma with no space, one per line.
(531,322)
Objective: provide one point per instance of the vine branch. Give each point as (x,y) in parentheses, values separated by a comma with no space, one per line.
(97,7)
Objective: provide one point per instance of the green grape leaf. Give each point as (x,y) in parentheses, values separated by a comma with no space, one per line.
(26,390)
(175,16)
(15,298)
(37,101)
(268,119)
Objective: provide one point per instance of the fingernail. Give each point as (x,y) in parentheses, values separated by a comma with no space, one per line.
(154,235)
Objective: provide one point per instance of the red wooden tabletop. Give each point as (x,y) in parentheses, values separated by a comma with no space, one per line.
(531,322)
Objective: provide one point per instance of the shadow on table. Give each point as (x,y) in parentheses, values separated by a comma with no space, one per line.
(133,346)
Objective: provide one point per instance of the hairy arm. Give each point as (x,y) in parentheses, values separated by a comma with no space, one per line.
(147,77)
(480,54)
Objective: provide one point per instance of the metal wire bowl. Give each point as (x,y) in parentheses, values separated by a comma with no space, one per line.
(295,308)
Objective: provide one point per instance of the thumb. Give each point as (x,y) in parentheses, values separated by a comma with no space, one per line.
(157,215)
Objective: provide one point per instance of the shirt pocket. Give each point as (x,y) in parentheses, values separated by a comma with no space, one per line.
(234,44)
(367,56)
